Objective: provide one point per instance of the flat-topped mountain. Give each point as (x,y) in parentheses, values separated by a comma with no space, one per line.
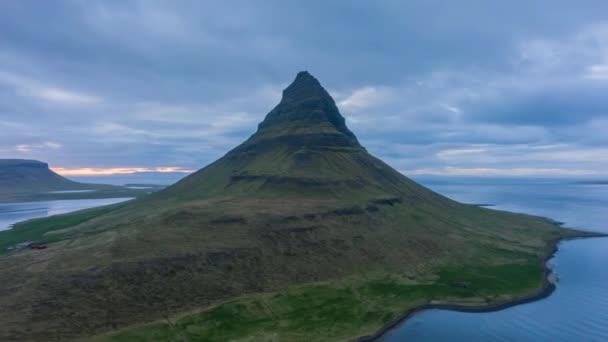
(296,234)
(22,175)
(32,180)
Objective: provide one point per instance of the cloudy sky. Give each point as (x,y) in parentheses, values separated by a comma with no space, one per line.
(432,87)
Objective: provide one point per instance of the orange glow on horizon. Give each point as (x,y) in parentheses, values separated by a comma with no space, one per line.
(90,171)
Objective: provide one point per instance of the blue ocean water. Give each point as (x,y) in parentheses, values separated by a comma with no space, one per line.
(576,311)
(11,213)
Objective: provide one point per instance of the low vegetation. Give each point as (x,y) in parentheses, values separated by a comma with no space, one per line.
(39,229)
(338,311)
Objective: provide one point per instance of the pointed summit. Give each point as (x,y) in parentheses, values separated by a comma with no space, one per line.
(302,147)
(307,109)
(304,85)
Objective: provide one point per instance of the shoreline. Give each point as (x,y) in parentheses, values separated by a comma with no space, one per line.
(545,291)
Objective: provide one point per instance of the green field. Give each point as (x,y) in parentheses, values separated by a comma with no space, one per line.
(340,311)
(40,230)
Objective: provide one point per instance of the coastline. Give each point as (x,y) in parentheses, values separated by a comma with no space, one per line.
(546,290)
(119,192)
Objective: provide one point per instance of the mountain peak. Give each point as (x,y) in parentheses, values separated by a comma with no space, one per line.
(306,108)
(304,84)
(304,76)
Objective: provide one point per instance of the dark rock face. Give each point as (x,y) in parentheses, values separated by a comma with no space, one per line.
(302,147)
(306,104)
(311,140)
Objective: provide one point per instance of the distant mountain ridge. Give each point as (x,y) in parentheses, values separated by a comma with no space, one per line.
(23,175)
(26,179)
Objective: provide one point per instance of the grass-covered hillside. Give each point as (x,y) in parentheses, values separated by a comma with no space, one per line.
(298,234)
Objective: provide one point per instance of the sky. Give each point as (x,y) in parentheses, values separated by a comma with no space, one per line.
(471,87)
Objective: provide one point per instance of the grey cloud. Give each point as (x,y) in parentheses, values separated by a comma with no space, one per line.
(154,83)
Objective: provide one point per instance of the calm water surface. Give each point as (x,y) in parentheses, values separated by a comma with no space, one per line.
(11,213)
(576,311)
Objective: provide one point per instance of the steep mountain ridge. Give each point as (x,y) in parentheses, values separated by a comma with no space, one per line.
(306,108)
(301,148)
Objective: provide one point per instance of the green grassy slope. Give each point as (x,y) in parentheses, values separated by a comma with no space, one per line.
(338,311)
(41,230)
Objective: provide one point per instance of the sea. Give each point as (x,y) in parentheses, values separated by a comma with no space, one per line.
(13,212)
(576,311)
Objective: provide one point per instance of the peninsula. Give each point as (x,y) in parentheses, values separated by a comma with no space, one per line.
(297,234)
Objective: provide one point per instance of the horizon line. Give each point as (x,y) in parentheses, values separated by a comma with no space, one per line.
(440,171)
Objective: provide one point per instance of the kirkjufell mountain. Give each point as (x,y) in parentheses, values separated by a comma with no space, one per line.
(302,150)
(299,224)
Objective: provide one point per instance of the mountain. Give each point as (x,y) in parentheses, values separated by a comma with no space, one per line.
(302,149)
(299,233)
(21,175)
(24,180)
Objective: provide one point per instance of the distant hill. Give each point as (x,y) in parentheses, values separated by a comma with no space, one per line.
(297,234)
(21,175)
(594,182)
(158,178)
(32,180)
